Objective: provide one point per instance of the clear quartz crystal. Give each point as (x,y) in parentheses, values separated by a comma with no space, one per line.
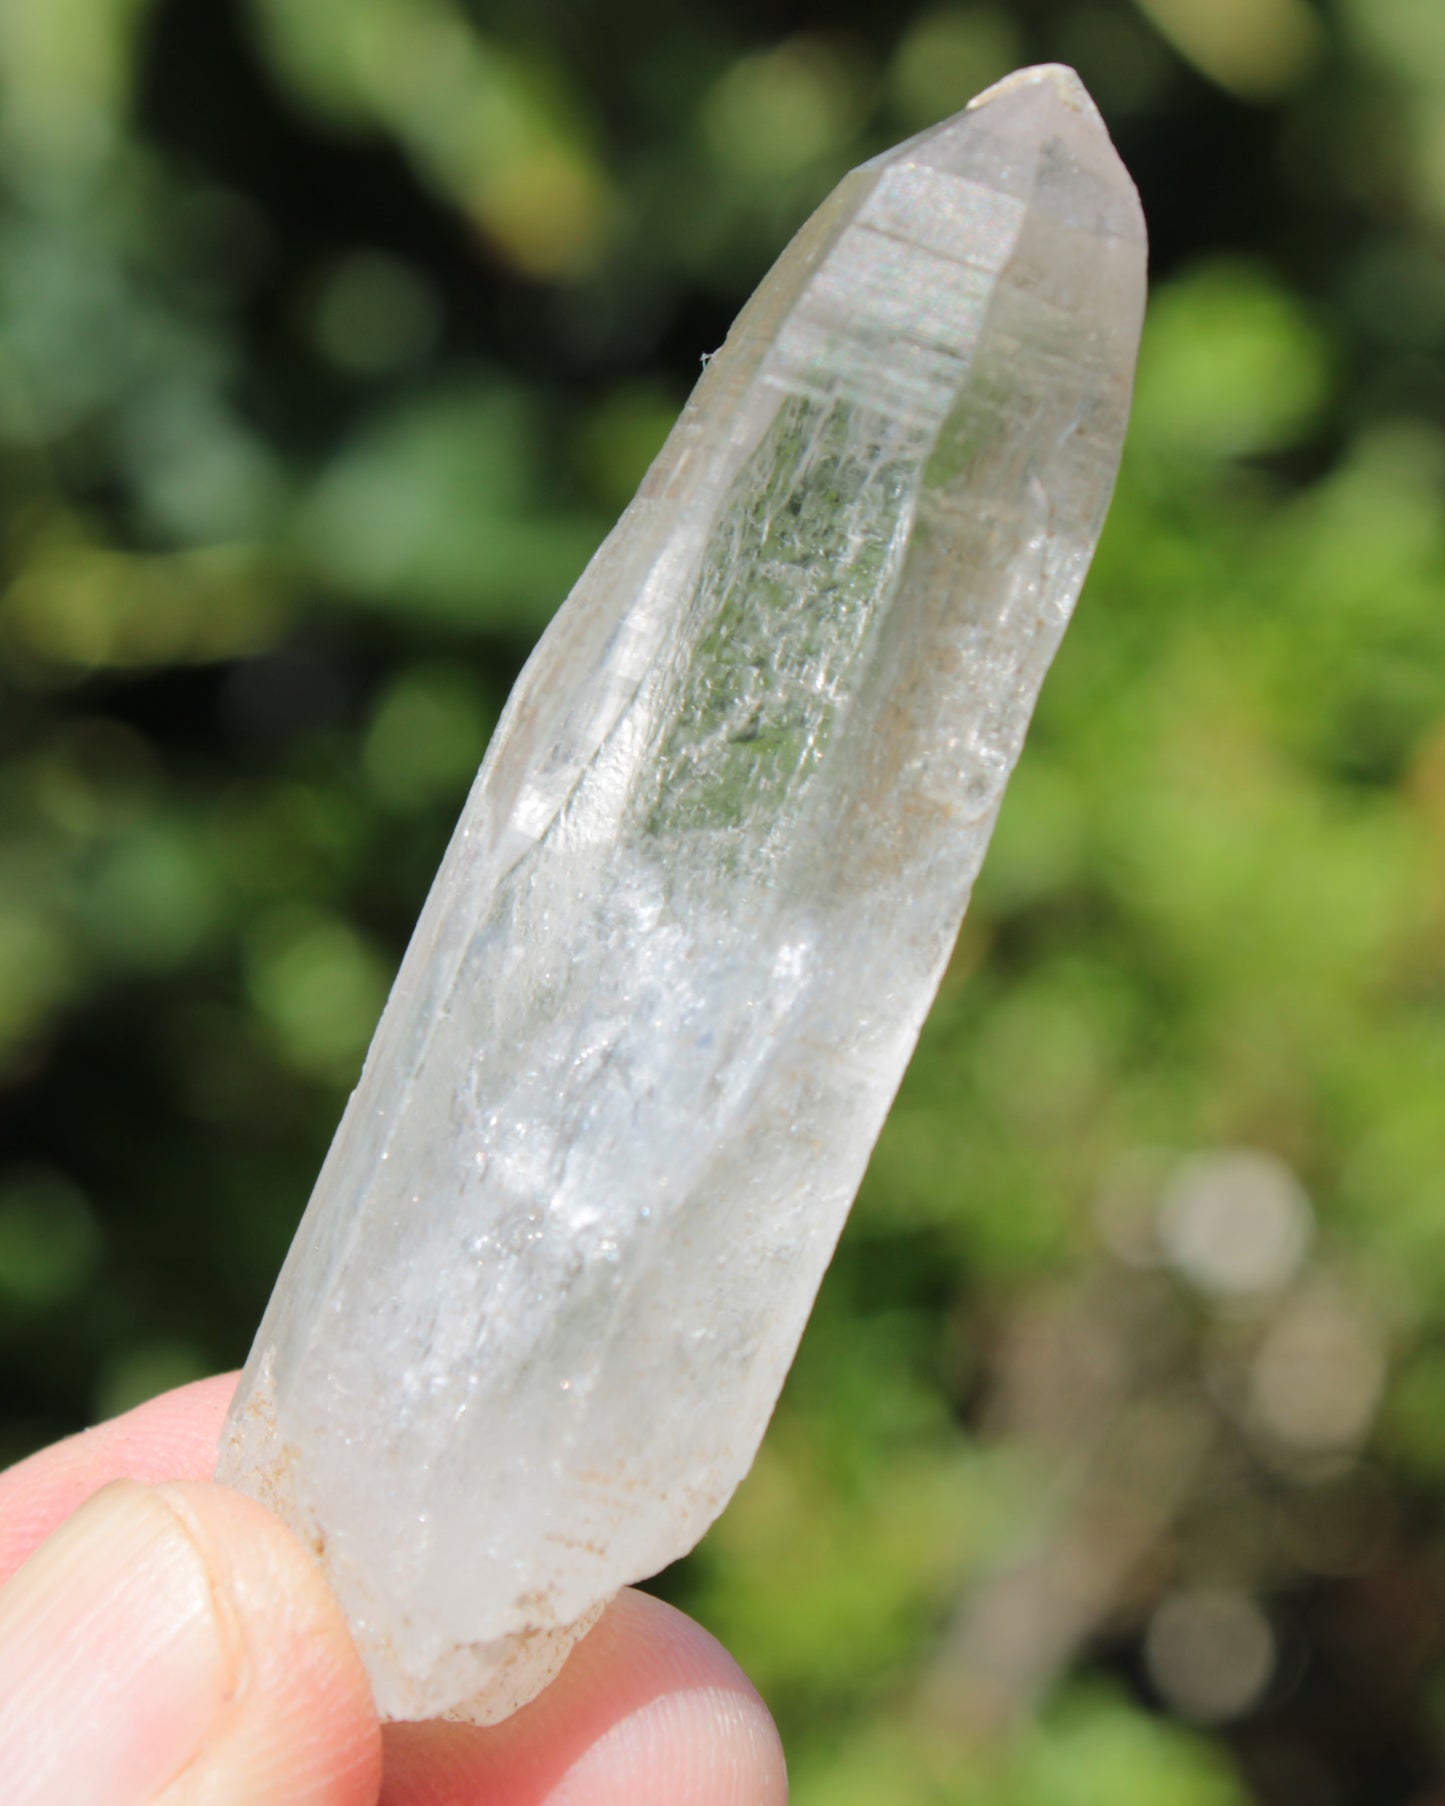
(678,953)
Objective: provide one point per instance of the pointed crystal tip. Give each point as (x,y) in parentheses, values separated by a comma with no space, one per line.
(1058,77)
(1038,137)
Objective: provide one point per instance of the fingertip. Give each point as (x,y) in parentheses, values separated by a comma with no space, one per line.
(174,1433)
(692,1731)
(704,1746)
(170,1437)
(649,1711)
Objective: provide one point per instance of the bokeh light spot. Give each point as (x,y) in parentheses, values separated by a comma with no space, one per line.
(1255,48)
(1230,366)
(375,314)
(1319,1376)
(1210,1654)
(774,113)
(143,1370)
(37,971)
(948,56)
(49,1238)
(319,986)
(1235,1222)
(427,737)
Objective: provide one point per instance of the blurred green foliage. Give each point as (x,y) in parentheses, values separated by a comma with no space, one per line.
(333,334)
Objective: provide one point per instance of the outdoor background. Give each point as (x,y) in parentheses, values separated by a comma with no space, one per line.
(333,335)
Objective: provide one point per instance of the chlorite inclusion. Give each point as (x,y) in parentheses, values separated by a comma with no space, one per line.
(678,953)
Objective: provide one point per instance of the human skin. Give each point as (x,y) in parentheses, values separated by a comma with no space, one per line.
(167,1642)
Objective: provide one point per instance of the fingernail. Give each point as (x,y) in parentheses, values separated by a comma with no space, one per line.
(114,1660)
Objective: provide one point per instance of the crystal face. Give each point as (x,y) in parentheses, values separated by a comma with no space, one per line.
(679,951)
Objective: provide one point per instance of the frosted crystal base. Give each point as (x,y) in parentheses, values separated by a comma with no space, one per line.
(676,958)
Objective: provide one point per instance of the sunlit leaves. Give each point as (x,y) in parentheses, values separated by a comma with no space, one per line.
(1231,365)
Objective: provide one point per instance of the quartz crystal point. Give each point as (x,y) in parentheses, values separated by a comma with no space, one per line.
(560,1255)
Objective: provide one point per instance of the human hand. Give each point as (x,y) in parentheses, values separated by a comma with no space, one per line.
(166,1642)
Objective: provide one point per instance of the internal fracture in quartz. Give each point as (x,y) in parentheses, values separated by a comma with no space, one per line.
(678,953)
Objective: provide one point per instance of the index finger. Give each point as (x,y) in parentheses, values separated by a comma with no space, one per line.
(173,1437)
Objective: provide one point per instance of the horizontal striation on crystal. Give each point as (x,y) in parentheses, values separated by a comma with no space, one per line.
(679,951)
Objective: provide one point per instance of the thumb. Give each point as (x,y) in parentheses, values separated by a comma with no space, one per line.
(177,1646)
